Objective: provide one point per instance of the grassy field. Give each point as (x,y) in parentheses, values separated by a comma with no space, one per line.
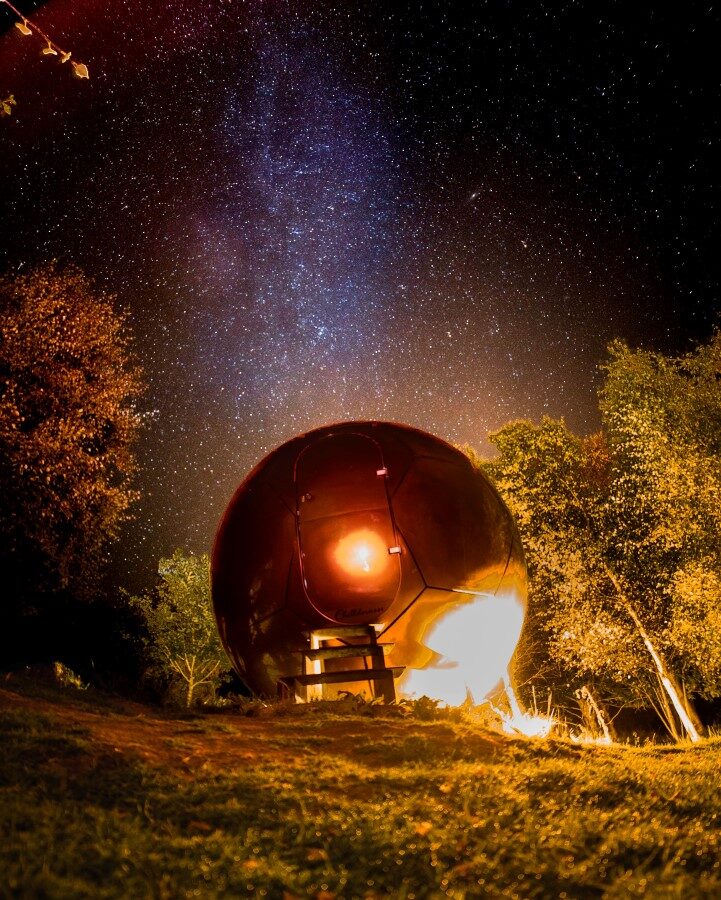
(104,798)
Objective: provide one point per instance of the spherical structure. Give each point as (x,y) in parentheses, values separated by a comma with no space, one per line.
(370,523)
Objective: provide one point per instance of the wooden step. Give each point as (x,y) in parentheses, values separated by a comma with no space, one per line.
(337,677)
(342,631)
(350,650)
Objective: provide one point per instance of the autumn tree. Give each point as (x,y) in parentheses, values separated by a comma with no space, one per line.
(182,644)
(68,423)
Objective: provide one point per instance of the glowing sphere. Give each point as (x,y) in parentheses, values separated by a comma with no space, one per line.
(371,523)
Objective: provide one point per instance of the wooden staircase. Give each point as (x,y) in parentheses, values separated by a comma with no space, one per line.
(309,685)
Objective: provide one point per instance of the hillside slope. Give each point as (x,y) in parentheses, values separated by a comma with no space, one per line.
(103,798)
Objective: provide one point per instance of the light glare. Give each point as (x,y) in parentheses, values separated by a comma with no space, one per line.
(361,552)
(475,642)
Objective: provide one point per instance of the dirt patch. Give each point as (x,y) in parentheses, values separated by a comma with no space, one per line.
(223,743)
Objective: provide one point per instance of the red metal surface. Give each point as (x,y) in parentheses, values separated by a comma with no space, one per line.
(360,522)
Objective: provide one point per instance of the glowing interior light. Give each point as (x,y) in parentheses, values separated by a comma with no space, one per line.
(475,642)
(361,552)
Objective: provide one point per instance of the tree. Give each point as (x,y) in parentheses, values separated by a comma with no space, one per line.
(552,482)
(183,645)
(68,422)
(623,529)
(595,615)
(662,416)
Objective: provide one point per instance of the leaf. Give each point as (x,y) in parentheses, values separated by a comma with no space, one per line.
(80,70)
(23,28)
(49,50)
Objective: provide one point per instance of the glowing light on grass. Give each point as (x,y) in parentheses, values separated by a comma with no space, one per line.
(473,643)
(527,724)
(520,722)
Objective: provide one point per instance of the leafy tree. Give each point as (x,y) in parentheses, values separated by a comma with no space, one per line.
(662,416)
(552,482)
(68,422)
(183,645)
(623,530)
(592,613)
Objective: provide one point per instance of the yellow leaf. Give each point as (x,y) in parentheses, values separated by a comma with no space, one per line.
(80,70)
(23,28)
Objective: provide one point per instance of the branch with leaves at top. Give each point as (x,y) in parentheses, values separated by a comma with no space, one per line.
(28,29)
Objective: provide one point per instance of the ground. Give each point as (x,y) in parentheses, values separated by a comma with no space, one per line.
(107,798)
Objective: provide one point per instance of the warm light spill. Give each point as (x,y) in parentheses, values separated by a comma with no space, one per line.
(475,641)
(361,552)
(527,724)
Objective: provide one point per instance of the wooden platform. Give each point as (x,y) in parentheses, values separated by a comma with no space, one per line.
(309,684)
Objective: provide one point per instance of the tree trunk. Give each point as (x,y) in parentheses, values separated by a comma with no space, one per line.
(664,710)
(586,695)
(191,682)
(665,675)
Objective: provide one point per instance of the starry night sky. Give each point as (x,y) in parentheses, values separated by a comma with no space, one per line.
(422,212)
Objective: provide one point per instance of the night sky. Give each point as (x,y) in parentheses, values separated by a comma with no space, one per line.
(433,213)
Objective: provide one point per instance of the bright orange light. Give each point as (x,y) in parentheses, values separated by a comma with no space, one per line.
(361,552)
(474,643)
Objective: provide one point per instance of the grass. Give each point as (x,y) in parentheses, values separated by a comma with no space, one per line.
(100,799)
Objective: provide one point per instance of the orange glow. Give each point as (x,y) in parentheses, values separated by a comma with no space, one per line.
(361,552)
(527,724)
(473,644)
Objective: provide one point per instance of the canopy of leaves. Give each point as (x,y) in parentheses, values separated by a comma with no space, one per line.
(625,526)
(555,484)
(68,421)
(662,418)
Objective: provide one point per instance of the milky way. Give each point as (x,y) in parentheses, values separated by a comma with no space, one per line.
(408,212)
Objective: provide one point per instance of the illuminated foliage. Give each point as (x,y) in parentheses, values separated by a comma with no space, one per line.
(695,625)
(6,105)
(663,420)
(622,530)
(68,423)
(183,645)
(553,482)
